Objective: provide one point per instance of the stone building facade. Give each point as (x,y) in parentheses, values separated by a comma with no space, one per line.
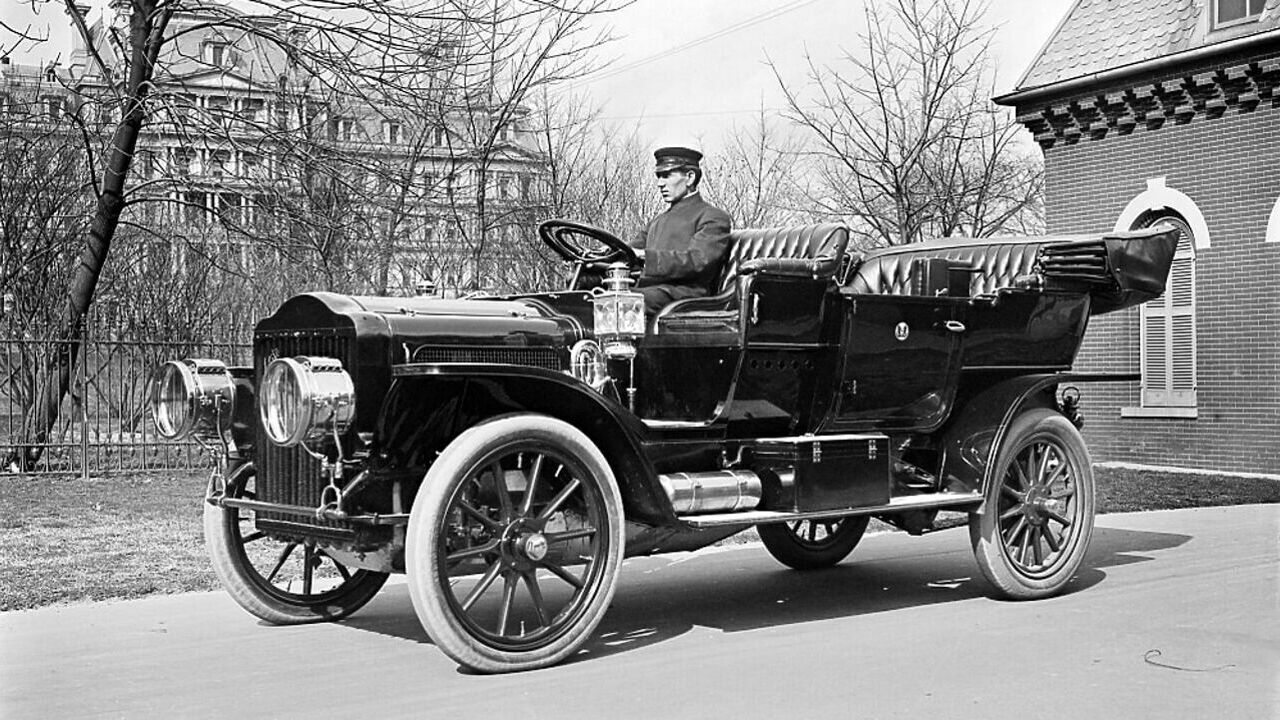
(235,120)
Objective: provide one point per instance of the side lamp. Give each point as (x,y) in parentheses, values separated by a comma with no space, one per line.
(619,313)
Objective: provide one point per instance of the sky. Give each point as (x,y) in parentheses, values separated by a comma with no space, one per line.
(720,79)
(687,72)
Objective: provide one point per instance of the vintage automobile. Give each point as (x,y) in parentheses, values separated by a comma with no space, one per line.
(506,453)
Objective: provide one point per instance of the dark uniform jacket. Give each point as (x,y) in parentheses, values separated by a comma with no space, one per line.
(685,249)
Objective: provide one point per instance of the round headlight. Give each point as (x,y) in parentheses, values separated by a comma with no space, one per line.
(305,399)
(195,396)
(587,363)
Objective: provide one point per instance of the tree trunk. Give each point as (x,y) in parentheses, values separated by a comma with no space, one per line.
(146,30)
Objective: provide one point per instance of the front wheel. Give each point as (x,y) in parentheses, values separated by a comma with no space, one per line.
(815,543)
(515,543)
(1037,515)
(283,582)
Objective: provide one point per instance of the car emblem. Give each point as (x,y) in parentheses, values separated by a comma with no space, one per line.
(901,331)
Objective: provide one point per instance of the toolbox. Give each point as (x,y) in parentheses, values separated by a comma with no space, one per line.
(823,472)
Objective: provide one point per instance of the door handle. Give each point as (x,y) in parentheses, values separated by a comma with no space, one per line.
(954,326)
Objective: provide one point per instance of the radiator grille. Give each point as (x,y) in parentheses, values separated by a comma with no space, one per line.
(290,476)
(543,357)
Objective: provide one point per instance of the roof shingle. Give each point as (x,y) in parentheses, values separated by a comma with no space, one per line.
(1097,35)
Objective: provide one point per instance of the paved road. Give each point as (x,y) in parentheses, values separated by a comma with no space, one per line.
(1175,616)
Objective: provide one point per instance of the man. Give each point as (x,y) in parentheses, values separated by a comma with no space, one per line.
(685,247)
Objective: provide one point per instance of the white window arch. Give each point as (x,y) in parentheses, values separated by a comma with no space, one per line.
(1160,197)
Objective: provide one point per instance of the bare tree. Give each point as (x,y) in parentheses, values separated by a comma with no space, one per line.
(518,49)
(141,63)
(756,176)
(903,137)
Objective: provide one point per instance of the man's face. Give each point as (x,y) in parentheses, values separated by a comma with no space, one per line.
(674,184)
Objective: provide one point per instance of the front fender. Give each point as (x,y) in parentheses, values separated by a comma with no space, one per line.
(429,404)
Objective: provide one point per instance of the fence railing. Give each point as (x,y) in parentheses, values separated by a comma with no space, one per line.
(103,424)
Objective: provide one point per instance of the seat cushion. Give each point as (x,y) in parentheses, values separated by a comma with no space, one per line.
(826,240)
(998,263)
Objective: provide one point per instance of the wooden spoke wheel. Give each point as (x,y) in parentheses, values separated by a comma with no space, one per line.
(814,543)
(1037,517)
(515,542)
(283,582)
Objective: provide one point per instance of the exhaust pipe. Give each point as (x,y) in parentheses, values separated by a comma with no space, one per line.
(713,491)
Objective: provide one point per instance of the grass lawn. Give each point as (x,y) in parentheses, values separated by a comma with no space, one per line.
(66,540)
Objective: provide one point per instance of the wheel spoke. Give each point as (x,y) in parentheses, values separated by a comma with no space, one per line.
(308,568)
(562,573)
(252,537)
(1057,474)
(1024,545)
(535,593)
(1058,517)
(813,532)
(1042,470)
(342,569)
(567,535)
(1013,493)
(284,555)
(1012,512)
(532,482)
(1037,533)
(500,488)
(1020,474)
(1018,528)
(479,517)
(474,551)
(508,600)
(489,576)
(1050,540)
(553,506)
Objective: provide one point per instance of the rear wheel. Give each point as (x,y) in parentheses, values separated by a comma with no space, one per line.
(284,582)
(816,543)
(1037,516)
(515,542)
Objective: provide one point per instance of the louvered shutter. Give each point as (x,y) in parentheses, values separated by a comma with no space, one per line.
(1169,332)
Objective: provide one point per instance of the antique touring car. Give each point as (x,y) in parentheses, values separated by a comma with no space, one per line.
(506,453)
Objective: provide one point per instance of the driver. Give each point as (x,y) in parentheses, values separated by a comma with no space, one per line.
(685,247)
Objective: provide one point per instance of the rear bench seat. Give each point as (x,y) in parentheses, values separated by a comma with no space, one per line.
(997,263)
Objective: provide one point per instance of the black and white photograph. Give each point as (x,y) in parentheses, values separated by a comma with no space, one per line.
(640,359)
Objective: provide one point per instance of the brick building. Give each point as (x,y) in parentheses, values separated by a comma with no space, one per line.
(1168,111)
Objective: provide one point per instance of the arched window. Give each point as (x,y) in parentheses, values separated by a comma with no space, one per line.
(1169,325)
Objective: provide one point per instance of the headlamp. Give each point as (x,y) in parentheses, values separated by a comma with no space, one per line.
(192,397)
(305,400)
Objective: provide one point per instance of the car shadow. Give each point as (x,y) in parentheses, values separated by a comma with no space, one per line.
(740,588)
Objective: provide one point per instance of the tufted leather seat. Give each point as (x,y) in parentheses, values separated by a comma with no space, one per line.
(998,262)
(824,243)
(814,251)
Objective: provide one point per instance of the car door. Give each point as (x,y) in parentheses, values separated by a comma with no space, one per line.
(899,361)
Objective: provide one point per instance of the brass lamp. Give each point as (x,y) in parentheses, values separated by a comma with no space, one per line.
(619,313)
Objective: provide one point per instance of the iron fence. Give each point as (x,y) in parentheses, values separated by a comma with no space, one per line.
(103,424)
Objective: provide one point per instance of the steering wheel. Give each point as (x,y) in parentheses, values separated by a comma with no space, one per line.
(564,237)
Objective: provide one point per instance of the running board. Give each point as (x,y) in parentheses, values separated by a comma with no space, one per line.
(898,504)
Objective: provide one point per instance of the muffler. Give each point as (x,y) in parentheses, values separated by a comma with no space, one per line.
(713,491)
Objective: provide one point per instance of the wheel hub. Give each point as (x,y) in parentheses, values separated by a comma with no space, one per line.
(533,546)
(1035,505)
